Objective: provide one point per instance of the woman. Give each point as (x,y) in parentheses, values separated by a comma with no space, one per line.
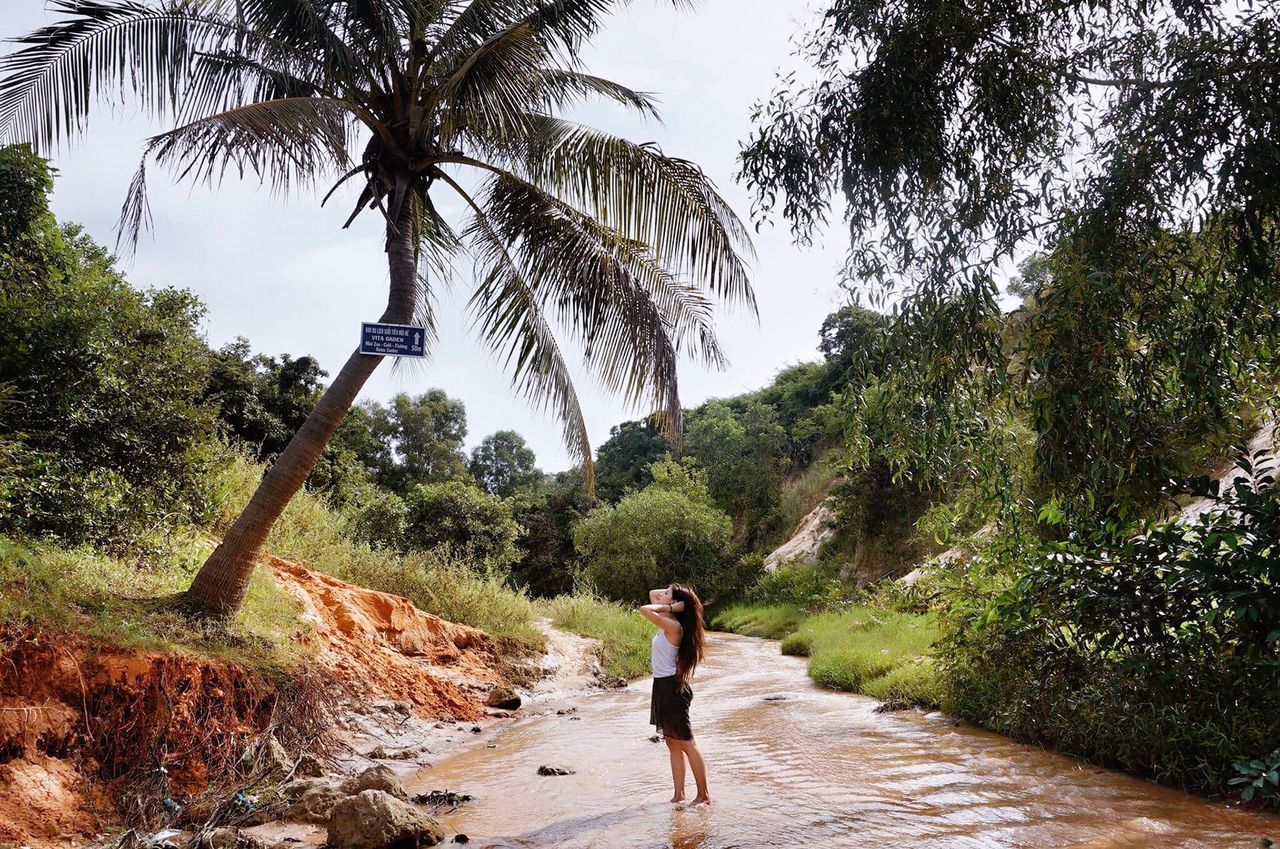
(676,651)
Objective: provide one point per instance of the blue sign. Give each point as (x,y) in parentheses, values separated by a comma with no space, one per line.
(393,340)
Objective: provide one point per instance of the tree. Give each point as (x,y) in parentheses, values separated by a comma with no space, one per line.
(423,436)
(624,460)
(1131,142)
(100,384)
(549,565)
(622,245)
(669,531)
(464,517)
(504,464)
(744,457)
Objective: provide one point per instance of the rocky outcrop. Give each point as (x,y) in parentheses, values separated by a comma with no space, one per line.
(503,698)
(373,819)
(809,537)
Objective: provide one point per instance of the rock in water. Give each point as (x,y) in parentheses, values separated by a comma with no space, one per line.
(378,777)
(313,799)
(375,820)
(504,698)
(550,769)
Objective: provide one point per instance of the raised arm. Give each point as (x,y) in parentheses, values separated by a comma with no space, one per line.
(660,614)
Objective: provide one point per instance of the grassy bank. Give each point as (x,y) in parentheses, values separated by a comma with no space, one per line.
(881,653)
(133,604)
(313,533)
(624,634)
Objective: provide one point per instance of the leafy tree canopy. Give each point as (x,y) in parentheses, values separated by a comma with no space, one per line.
(503,464)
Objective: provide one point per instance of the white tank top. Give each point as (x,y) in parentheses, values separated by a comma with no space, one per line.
(663,656)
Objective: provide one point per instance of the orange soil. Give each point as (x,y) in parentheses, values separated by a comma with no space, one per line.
(82,724)
(376,644)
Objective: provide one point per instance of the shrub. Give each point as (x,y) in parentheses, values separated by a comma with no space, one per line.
(801,585)
(669,531)
(1158,652)
(464,517)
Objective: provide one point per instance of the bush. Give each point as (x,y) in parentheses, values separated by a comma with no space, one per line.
(625,635)
(100,420)
(801,585)
(669,531)
(1158,653)
(462,516)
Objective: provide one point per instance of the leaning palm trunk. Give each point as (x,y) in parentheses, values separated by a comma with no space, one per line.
(220,585)
(620,246)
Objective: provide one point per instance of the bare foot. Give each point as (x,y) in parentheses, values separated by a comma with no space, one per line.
(676,800)
(700,800)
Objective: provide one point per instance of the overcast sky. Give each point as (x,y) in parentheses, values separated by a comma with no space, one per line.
(284,275)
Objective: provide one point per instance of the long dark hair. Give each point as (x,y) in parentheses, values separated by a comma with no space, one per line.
(691,630)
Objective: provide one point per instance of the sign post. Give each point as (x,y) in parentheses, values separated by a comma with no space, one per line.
(393,340)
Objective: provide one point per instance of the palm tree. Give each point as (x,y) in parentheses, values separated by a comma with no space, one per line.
(621,247)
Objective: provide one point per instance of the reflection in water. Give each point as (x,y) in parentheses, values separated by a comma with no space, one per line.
(816,768)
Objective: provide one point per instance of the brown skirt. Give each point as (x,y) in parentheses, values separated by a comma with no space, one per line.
(669,708)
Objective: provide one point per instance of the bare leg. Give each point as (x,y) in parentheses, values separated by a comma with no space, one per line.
(676,754)
(699,768)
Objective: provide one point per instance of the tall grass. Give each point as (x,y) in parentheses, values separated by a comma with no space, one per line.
(881,653)
(885,654)
(314,533)
(754,620)
(623,633)
(133,604)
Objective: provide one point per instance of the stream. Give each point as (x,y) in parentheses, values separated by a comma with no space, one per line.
(817,768)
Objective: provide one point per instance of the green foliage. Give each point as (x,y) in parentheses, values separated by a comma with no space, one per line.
(504,464)
(774,621)
(624,460)
(99,385)
(1258,778)
(860,648)
(419,440)
(25,183)
(549,565)
(849,340)
(804,586)
(624,634)
(744,457)
(133,604)
(463,517)
(669,531)
(1157,652)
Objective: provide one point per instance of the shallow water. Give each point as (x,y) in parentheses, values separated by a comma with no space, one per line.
(816,769)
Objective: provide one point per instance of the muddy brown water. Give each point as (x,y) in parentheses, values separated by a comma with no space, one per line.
(815,769)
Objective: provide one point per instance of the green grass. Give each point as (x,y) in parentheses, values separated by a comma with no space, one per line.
(623,633)
(313,533)
(878,652)
(885,654)
(133,604)
(774,621)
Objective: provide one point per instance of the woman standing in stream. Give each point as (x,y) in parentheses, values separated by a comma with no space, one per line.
(676,652)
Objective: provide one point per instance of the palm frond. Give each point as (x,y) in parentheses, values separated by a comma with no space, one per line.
(565,87)
(49,84)
(490,92)
(588,275)
(511,319)
(666,203)
(285,143)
